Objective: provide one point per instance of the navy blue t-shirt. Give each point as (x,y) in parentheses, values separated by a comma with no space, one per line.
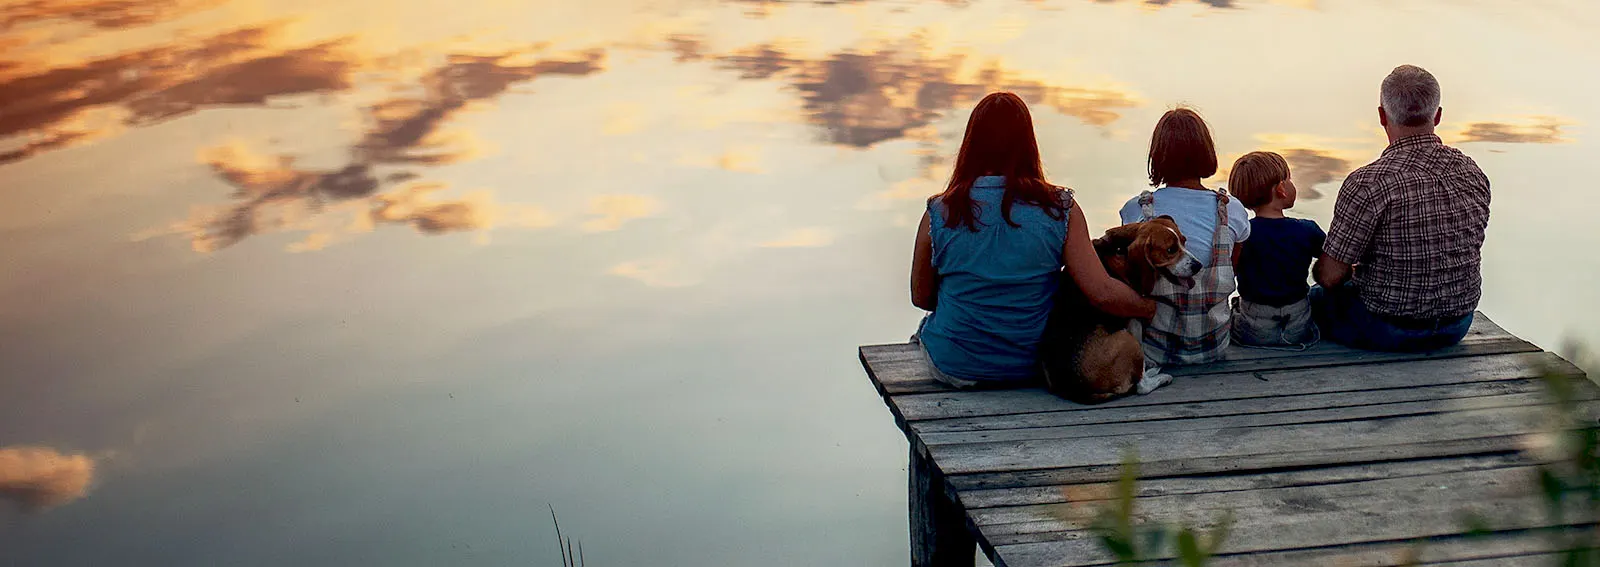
(1276,260)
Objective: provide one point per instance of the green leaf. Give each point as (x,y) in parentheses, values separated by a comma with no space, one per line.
(1120,548)
(1552,488)
(1189,549)
(1476,525)
(1220,533)
(1127,490)
(1560,388)
(1155,540)
(1573,558)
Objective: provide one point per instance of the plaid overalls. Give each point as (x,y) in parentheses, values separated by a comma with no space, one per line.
(1192,320)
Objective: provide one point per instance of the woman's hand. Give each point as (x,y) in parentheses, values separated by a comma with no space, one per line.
(1083,264)
(924,280)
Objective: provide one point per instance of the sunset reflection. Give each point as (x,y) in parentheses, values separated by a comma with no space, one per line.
(877,93)
(37,478)
(108,14)
(1534,130)
(290,261)
(274,195)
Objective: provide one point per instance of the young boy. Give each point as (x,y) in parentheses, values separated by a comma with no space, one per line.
(1272,308)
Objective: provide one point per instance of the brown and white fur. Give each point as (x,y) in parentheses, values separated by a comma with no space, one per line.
(1089,356)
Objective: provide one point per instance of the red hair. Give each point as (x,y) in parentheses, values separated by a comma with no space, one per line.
(999,141)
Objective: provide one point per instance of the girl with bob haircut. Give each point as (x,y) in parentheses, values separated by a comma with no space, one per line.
(1192,319)
(989,253)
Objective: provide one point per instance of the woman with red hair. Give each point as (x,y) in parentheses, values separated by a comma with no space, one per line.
(990,250)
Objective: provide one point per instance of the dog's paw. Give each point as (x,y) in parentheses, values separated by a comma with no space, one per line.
(1153,380)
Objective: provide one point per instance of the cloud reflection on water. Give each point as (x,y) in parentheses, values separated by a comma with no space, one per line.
(1529,130)
(47,105)
(273,194)
(861,97)
(858,97)
(612,211)
(103,14)
(37,478)
(1314,161)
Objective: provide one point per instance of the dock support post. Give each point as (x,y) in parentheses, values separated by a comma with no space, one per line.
(939,536)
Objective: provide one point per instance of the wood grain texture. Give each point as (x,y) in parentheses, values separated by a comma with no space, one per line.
(1531,549)
(1241,386)
(1311,516)
(1369,411)
(1238,442)
(939,532)
(978,499)
(900,369)
(1330,456)
(1225,408)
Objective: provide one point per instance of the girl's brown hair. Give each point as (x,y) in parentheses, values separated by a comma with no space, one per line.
(1181,148)
(1254,175)
(999,141)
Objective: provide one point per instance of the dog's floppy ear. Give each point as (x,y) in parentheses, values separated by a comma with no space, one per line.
(1174,225)
(1122,235)
(1140,276)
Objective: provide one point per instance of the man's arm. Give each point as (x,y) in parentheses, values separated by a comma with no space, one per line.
(1330,272)
(1355,218)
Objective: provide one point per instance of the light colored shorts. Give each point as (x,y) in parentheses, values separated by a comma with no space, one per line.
(934,370)
(1260,325)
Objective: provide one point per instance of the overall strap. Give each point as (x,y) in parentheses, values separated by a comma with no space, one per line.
(1222,240)
(1147,203)
(1222,214)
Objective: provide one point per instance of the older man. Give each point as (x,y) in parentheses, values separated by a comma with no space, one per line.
(1400,267)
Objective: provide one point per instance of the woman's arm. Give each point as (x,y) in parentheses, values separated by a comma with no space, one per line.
(924,281)
(1104,292)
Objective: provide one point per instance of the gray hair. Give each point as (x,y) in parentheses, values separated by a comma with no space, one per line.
(1410,96)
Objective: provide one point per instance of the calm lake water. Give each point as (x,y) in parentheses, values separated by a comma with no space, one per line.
(373,283)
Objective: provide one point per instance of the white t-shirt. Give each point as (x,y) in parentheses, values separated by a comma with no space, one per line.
(1196,214)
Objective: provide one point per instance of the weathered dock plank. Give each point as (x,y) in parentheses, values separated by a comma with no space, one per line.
(1327,456)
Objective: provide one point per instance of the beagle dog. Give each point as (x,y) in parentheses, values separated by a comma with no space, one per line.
(1140,252)
(1087,355)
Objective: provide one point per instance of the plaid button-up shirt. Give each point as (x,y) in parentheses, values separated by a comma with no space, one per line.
(1413,223)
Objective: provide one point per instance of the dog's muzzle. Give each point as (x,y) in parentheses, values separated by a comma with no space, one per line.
(1187,267)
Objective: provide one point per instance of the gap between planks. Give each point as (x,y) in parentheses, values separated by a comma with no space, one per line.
(1239,387)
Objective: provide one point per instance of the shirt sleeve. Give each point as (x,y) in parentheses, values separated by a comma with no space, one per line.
(1238,221)
(1355,216)
(1318,238)
(1130,211)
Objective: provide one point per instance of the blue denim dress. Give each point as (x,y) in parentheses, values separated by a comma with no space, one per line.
(995,287)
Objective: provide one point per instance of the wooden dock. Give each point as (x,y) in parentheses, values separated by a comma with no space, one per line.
(1330,456)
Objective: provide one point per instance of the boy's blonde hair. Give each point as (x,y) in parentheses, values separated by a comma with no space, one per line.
(1254,175)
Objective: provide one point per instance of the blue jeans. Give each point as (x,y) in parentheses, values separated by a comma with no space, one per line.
(1344,318)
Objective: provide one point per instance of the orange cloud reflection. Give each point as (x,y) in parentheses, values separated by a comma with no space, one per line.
(1313,161)
(273,194)
(37,478)
(47,103)
(1531,130)
(404,130)
(104,14)
(863,97)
